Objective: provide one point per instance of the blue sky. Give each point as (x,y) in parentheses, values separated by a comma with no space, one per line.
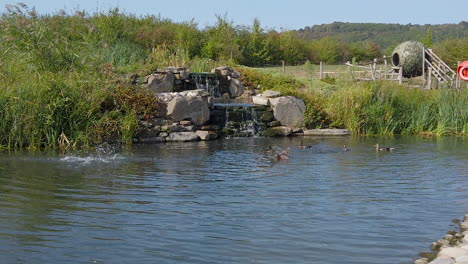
(283,14)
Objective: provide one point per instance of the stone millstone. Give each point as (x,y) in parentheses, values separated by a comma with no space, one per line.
(408,55)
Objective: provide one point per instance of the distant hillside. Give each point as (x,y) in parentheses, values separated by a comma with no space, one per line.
(385,35)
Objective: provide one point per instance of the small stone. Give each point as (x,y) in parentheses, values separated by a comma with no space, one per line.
(182,137)
(206,135)
(274,123)
(464,226)
(260,100)
(280,131)
(164,134)
(453,252)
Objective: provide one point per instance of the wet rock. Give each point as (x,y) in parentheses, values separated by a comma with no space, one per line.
(182,137)
(274,124)
(152,140)
(207,135)
(289,111)
(265,116)
(280,131)
(161,83)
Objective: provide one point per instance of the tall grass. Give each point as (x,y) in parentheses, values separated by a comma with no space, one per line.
(383,108)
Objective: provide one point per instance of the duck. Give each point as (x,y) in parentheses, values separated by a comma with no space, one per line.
(281,156)
(380,148)
(345,149)
(302,146)
(278,154)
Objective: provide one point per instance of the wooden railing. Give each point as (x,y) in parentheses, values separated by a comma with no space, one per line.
(439,69)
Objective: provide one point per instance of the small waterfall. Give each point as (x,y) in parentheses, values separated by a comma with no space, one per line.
(207,82)
(239,120)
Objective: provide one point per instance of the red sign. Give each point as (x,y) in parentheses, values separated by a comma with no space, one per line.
(462,70)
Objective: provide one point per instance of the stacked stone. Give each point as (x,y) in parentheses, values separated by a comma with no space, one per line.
(288,111)
(185,114)
(452,248)
(229,84)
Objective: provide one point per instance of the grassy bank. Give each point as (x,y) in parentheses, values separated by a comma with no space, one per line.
(383,108)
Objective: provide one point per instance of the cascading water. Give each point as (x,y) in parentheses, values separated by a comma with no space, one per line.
(207,82)
(239,120)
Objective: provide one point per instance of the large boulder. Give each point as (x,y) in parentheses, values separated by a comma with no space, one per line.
(190,105)
(288,110)
(161,82)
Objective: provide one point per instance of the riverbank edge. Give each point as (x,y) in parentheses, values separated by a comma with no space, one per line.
(451,249)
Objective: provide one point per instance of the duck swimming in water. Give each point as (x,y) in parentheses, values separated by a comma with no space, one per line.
(380,148)
(302,146)
(345,149)
(278,154)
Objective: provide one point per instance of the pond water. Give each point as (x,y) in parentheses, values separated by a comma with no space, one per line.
(227,201)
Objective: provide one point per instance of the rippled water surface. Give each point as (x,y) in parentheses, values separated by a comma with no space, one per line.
(227,201)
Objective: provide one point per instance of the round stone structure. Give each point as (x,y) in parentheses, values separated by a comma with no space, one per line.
(408,56)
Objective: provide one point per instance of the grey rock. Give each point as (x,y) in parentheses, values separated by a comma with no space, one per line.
(192,105)
(161,83)
(421,261)
(271,94)
(288,110)
(280,131)
(464,226)
(152,140)
(235,74)
(443,260)
(206,135)
(453,252)
(182,137)
(236,88)
(260,100)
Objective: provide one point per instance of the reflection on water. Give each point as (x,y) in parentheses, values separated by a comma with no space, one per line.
(228,202)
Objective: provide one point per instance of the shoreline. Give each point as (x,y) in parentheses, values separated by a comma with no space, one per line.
(451,249)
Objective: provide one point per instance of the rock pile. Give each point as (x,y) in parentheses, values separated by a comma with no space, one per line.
(451,249)
(229,84)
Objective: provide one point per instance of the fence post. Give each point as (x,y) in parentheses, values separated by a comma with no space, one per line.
(284,67)
(400,76)
(372,71)
(386,70)
(321,70)
(424,63)
(429,78)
